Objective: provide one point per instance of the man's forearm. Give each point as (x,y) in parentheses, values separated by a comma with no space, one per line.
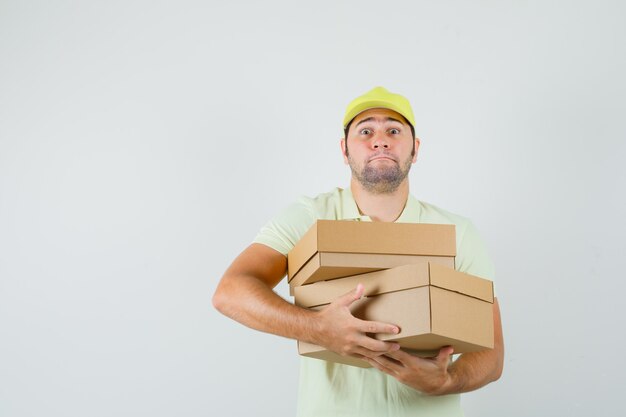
(472,371)
(245,294)
(250,302)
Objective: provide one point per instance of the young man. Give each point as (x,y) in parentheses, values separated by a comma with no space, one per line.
(379,146)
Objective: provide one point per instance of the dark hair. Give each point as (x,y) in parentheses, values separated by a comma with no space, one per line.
(345,135)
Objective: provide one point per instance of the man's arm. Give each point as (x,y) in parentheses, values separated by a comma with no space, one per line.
(437,376)
(245,294)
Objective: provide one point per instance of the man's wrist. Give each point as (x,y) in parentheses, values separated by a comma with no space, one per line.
(455,381)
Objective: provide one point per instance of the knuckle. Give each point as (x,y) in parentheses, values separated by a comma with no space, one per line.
(385,347)
(344,350)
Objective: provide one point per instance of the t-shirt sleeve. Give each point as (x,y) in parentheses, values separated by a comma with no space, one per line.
(472,257)
(283,231)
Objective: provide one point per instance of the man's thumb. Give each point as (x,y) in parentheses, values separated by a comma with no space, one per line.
(350,297)
(445,352)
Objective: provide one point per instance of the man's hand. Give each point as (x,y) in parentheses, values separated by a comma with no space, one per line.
(438,376)
(345,334)
(428,375)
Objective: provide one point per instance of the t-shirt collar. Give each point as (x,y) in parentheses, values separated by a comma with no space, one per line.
(410,213)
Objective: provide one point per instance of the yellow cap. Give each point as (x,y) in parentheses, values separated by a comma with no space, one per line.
(379,98)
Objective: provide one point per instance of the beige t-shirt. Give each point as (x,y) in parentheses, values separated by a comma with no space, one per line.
(329,389)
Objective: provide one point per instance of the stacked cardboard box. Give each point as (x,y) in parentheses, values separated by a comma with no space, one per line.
(413,284)
(334,249)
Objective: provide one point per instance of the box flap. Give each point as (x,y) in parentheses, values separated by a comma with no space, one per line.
(449,279)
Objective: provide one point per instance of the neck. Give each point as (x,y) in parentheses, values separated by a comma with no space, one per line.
(380,207)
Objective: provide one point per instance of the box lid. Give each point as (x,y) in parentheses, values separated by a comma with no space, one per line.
(395,279)
(372,237)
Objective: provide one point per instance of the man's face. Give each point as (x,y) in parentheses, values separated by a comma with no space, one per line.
(380,150)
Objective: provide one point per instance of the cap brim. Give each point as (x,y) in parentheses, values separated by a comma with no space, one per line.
(373,104)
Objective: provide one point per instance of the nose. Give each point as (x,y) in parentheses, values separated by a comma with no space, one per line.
(380,142)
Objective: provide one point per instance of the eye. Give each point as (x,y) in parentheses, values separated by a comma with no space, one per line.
(366,131)
(394,131)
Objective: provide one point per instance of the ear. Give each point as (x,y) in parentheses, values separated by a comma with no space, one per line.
(342,143)
(417,147)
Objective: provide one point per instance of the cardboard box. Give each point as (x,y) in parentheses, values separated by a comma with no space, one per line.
(433,305)
(315,256)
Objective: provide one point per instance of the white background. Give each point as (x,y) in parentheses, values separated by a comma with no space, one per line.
(144,143)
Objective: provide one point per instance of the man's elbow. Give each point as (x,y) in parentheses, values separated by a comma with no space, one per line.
(497,371)
(220,300)
(217,301)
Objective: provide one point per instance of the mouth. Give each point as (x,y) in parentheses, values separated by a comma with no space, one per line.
(382,158)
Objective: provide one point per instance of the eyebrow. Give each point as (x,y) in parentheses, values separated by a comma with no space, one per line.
(388,119)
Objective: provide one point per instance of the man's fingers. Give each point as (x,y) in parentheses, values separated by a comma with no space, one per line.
(383,364)
(363,352)
(350,297)
(378,345)
(377,327)
(401,356)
